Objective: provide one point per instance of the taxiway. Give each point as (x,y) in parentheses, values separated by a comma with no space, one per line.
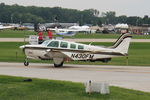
(132,77)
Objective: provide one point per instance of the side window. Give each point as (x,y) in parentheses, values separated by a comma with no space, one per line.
(73,46)
(80,47)
(63,44)
(53,44)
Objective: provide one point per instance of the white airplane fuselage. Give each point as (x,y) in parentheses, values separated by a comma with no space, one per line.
(39,52)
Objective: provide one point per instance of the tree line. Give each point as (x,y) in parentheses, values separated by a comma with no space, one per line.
(32,14)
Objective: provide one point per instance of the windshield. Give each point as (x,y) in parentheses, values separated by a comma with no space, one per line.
(45,43)
(53,44)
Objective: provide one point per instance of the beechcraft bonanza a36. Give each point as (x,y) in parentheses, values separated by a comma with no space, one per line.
(59,51)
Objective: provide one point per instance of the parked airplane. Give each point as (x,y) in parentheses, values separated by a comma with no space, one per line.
(64,32)
(71,31)
(5,27)
(81,28)
(59,51)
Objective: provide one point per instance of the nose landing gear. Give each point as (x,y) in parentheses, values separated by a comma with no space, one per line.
(26,63)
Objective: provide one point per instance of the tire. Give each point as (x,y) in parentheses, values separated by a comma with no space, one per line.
(106,60)
(58,65)
(26,63)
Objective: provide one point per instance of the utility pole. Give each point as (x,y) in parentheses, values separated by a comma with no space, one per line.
(11,18)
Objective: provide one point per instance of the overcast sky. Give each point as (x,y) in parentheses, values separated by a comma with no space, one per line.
(121,7)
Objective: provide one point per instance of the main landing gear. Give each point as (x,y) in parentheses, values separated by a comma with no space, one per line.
(26,63)
(58,62)
(58,65)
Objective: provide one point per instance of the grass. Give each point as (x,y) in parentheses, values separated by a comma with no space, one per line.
(14,88)
(15,33)
(22,34)
(108,36)
(138,55)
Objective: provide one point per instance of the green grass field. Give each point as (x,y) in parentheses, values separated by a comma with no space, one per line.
(15,33)
(22,34)
(14,88)
(138,54)
(107,36)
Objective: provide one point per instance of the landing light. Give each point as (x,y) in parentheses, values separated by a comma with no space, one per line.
(48,50)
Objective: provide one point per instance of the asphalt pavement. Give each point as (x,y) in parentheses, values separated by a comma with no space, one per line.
(132,77)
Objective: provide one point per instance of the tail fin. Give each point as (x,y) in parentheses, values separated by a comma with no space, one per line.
(122,44)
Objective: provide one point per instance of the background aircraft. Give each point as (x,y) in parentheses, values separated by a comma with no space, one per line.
(71,31)
(59,51)
(81,28)
(5,27)
(64,32)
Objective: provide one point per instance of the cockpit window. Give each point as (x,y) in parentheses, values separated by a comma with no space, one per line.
(45,43)
(53,44)
(63,44)
(80,47)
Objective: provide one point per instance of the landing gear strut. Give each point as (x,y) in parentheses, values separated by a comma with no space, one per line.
(26,63)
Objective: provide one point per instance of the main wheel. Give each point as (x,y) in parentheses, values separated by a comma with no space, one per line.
(58,62)
(58,65)
(106,60)
(26,63)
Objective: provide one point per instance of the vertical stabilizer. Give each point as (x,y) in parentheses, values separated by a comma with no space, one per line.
(122,44)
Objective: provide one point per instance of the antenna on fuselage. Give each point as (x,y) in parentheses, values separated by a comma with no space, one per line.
(90,43)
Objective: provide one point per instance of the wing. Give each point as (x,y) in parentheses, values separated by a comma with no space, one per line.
(71,54)
(78,55)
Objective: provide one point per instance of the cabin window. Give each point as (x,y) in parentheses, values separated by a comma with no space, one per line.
(63,44)
(80,47)
(53,44)
(73,46)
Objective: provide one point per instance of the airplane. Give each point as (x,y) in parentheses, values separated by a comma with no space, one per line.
(71,31)
(64,32)
(60,51)
(83,28)
(5,27)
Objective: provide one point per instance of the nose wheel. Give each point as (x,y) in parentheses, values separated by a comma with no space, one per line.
(26,63)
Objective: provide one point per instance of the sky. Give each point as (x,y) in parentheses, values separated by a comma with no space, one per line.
(121,7)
